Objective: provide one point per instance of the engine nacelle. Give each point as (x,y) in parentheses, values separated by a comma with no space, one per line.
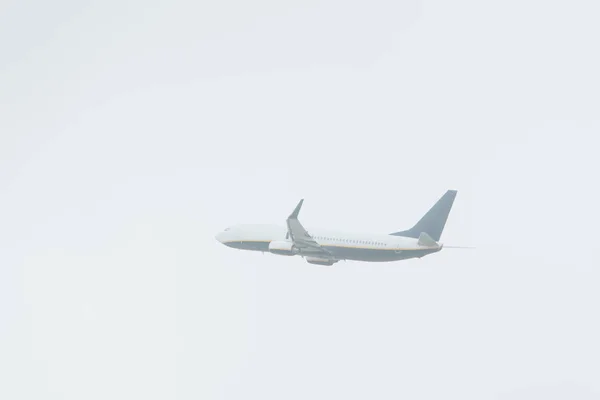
(320,261)
(282,248)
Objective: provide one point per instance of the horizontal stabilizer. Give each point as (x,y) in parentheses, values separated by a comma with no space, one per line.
(426,240)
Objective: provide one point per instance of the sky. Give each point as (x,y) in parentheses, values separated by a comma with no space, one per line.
(132,132)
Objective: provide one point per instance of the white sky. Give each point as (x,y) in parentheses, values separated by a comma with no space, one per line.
(131,132)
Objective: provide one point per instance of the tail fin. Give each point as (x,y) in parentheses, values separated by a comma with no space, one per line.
(434,221)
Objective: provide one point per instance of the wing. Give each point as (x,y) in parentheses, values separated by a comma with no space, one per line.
(302,239)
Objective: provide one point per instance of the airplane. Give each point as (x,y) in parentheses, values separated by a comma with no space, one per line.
(326,247)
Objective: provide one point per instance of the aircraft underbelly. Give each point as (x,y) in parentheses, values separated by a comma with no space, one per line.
(375,255)
(346,253)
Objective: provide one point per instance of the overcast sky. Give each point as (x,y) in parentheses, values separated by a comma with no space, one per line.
(131,132)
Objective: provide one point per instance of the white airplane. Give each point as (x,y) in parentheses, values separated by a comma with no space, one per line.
(327,247)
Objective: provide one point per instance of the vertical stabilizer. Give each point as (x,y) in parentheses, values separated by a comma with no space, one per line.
(434,221)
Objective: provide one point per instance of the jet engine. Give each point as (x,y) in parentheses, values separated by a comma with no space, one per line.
(282,248)
(320,261)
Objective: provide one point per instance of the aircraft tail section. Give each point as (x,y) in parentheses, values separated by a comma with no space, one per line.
(434,221)
(426,240)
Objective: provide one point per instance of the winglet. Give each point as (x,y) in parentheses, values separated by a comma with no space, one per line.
(294,214)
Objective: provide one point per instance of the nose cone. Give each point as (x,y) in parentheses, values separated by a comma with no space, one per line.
(220,237)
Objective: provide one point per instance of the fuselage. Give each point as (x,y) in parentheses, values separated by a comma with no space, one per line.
(343,245)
